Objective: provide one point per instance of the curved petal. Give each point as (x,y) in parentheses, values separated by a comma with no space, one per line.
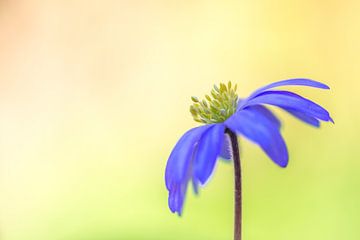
(260,130)
(285,99)
(208,150)
(289,82)
(176,198)
(303,117)
(195,184)
(259,109)
(180,157)
(178,168)
(226,149)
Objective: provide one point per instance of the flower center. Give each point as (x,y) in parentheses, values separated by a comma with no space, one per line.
(216,108)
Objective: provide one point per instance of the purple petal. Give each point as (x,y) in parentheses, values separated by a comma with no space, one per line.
(260,130)
(259,109)
(195,184)
(288,82)
(285,99)
(176,198)
(226,149)
(179,165)
(208,150)
(180,157)
(303,117)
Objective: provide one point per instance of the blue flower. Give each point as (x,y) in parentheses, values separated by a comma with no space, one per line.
(194,156)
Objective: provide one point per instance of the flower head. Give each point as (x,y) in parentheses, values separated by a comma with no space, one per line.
(217,108)
(194,156)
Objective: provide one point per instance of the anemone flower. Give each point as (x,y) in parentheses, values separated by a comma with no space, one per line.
(225,116)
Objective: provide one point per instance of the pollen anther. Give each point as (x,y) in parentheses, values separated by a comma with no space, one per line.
(216,107)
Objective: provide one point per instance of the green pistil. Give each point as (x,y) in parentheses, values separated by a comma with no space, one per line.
(215,108)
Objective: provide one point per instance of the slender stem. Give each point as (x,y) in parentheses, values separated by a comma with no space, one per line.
(237,173)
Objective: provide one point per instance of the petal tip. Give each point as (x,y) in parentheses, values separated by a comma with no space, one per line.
(316,83)
(175,210)
(284,165)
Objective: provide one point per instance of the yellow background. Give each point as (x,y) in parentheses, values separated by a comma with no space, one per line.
(95,94)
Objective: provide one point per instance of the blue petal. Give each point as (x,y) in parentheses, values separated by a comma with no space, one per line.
(195,183)
(288,82)
(259,109)
(226,149)
(179,166)
(176,198)
(303,117)
(180,157)
(260,130)
(208,150)
(291,100)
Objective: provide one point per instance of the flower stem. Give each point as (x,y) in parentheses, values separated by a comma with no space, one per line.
(237,193)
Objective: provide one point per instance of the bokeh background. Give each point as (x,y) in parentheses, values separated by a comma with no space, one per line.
(94,95)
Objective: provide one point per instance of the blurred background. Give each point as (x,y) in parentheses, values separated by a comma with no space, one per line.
(95,94)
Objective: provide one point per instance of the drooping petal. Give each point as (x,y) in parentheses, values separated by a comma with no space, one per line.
(226,149)
(260,130)
(303,117)
(259,109)
(208,150)
(180,157)
(179,166)
(289,82)
(285,99)
(176,198)
(195,184)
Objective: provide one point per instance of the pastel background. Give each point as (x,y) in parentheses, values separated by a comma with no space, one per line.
(94,95)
